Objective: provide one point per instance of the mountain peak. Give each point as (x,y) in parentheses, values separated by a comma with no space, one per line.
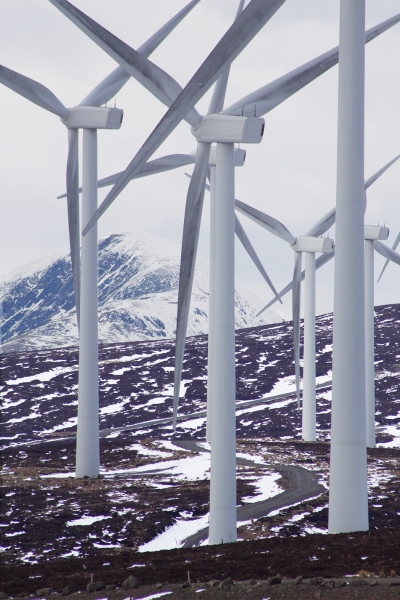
(138,292)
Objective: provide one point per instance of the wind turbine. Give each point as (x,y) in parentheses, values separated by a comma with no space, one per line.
(321,227)
(309,244)
(89,117)
(372,237)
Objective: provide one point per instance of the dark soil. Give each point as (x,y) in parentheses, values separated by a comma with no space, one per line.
(39,510)
(260,559)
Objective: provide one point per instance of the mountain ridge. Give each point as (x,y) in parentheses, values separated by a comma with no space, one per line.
(138,286)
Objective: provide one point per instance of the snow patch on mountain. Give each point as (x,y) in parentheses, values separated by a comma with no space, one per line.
(138,293)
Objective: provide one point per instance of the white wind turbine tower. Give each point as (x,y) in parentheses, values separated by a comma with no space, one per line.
(310,240)
(89,117)
(348,494)
(251,20)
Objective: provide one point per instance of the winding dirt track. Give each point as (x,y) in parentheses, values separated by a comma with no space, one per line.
(303,484)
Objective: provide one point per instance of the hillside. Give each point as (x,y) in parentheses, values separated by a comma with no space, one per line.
(154,489)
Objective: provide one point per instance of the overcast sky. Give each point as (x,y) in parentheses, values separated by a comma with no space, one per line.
(290,175)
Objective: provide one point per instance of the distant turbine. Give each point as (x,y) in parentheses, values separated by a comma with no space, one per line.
(321,227)
(372,235)
(309,245)
(396,243)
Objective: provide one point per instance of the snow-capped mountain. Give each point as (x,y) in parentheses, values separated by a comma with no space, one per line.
(138,290)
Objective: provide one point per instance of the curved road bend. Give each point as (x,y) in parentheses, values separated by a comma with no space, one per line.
(303,485)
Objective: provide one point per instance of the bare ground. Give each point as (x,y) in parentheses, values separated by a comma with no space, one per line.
(42,551)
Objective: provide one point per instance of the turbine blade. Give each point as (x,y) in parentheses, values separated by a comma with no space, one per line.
(111,85)
(218,97)
(107,88)
(396,243)
(154,79)
(321,260)
(33,91)
(269,223)
(329,219)
(372,179)
(323,224)
(296,292)
(387,252)
(271,95)
(248,24)
(280,295)
(240,232)
(247,245)
(155,40)
(73,214)
(159,165)
(190,236)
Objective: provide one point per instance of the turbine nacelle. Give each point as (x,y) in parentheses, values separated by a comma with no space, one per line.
(240,156)
(93,117)
(375,233)
(228,129)
(313,244)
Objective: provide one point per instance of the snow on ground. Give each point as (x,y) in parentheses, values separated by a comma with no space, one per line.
(267,488)
(174,536)
(194,467)
(45,376)
(86,520)
(154,596)
(393,431)
(185,526)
